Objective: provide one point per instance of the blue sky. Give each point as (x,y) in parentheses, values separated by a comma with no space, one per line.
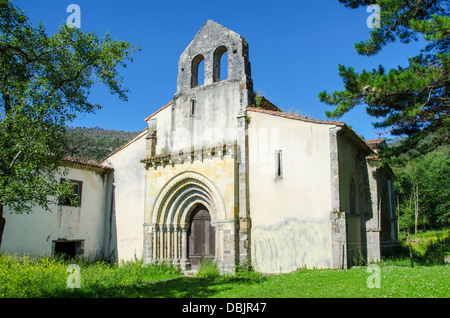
(295,48)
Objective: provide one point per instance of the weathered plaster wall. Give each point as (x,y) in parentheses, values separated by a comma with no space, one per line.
(381,227)
(351,188)
(126,200)
(213,122)
(290,215)
(347,170)
(290,245)
(34,233)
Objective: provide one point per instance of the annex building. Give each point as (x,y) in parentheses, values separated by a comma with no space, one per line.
(223,174)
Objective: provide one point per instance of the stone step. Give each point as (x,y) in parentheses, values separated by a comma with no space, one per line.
(191,272)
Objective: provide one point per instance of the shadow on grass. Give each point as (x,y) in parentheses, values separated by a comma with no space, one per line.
(182,287)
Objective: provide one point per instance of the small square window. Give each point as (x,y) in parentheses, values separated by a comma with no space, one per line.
(77,188)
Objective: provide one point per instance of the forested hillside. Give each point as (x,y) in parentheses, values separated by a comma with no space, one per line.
(95,143)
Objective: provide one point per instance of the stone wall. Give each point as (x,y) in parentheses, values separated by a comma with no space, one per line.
(175,184)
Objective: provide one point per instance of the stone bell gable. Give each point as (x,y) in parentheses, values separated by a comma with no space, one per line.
(209,45)
(206,115)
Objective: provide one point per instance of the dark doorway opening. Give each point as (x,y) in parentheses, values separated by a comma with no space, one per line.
(68,249)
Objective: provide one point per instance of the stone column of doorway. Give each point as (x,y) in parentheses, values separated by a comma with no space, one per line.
(185,264)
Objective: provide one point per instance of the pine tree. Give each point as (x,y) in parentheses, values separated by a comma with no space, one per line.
(411,102)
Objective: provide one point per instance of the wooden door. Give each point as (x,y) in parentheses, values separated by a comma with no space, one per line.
(201,236)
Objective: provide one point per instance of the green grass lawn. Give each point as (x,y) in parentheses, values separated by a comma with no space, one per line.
(47,277)
(395,282)
(24,277)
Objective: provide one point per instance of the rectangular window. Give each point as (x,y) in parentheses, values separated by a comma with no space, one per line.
(278,164)
(192,110)
(77,189)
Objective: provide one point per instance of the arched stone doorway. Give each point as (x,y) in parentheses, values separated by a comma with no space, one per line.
(201,236)
(178,206)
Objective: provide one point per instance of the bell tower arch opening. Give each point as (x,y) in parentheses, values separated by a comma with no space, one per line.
(197,71)
(220,71)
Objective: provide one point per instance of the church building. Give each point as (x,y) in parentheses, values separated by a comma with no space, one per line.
(221,173)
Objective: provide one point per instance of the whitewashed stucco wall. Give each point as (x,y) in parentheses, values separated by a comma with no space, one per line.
(290,215)
(34,233)
(214,122)
(127,201)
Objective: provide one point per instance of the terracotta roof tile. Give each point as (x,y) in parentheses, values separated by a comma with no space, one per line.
(374,142)
(85,163)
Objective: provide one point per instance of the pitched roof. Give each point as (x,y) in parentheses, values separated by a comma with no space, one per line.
(345,131)
(375,142)
(295,116)
(85,164)
(165,106)
(139,135)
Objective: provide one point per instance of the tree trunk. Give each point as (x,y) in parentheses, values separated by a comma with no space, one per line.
(416,209)
(398,215)
(410,249)
(2,223)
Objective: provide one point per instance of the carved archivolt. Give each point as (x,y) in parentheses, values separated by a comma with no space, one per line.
(166,236)
(180,194)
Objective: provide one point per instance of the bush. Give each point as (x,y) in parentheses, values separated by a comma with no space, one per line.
(428,248)
(246,270)
(23,276)
(436,250)
(161,270)
(208,269)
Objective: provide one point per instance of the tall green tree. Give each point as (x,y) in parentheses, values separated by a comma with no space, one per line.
(422,186)
(44,84)
(410,102)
